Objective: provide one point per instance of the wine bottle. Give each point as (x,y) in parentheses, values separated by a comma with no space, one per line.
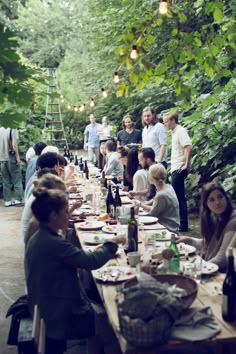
(86,170)
(132,233)
(81,165)
(68,153)
(65,151)
(229,291)
(174,262)
(76,162)
(71,157)
(117,200)
(109,202)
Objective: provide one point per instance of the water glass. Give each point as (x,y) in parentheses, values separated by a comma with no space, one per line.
(194,269)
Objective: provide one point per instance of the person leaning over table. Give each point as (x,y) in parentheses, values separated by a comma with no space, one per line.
(165,204)
(217,225)
(51,264)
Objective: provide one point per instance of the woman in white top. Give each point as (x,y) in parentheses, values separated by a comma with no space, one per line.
(105,130)
(165,204)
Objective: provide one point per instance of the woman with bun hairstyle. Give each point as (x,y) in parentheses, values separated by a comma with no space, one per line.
(217,225)
(165,204)
(51,264)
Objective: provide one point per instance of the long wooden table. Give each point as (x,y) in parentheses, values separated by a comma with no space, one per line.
(208,295)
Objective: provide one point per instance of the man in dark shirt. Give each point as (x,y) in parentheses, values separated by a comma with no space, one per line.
(128,135)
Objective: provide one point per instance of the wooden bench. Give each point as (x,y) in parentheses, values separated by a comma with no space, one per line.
(32,334)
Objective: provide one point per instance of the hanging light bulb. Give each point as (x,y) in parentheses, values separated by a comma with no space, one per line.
(92,103)
(104,92)
(62,97)
(69,106)
(116,78)
(82,108)
(134,53)
(163,8)
(75,108)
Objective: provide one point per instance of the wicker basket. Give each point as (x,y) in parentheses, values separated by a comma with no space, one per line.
(189,285)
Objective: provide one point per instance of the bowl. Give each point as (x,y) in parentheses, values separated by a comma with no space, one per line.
(181,281)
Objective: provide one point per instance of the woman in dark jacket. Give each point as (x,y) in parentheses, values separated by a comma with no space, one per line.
(51,264)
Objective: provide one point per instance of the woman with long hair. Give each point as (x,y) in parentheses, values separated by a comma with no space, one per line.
(217,225)
(51,264)
(165,203)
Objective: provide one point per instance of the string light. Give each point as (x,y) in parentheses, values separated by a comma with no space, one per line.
(134,53)
(116,78)
(75,108)
(104,93)
(163,7)
(69,107)
(92,103)
(82,108)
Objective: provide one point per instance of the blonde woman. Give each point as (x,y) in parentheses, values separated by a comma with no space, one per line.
(165,204)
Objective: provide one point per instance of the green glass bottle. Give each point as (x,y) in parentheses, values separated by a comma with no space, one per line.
(174,262)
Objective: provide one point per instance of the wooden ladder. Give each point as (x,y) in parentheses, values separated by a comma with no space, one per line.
(53,124)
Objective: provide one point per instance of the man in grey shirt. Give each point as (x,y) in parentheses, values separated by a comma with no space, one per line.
(10,167)
(112,167)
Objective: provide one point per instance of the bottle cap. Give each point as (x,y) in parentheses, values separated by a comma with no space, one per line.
(230,251)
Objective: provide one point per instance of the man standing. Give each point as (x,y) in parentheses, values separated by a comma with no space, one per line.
(154,135)
(180,160)
(128,135)
(91,139)
(10,167)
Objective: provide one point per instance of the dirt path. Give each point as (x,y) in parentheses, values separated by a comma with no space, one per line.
(11,268)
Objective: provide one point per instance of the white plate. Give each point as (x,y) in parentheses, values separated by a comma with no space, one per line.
(164,235)
(126,200)
(111,229)
(82,211)
(114,274)
(147,220)
(91,225)
(209,268)
(96,239)
(182,247)
(75,196)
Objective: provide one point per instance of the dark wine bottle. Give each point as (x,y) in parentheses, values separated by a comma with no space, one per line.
(68,153)
(132,233)
(81,165)
(76,162)
(110,202)
(86,170)
(65,151)
(71,157)
(229,291)
(117,200)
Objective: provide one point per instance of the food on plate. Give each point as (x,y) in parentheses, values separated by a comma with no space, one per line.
(112,222)
(103,217)
(162,235)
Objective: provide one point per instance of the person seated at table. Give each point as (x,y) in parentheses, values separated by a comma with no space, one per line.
(128,135)
(217,225)
(146,157)
(51,264)
(112,167)
(105,133)
(165,204)
(31,166)
(47,178)
(123,158)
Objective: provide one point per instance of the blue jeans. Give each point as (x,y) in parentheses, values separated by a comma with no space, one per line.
(178,185)
(11,175)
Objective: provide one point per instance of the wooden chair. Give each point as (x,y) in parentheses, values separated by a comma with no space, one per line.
(32,334)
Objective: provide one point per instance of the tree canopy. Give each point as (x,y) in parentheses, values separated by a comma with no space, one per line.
(186,63)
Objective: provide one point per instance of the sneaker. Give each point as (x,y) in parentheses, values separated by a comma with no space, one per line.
(17,202)
(8,204)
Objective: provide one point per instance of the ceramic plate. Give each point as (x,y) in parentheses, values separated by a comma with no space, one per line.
(146,220)
(114,274)
(96,239)
(111,229)
(209,268)
(75,196)
(162,235)
(91,225)
(182,247)
(126,200)
(78,212)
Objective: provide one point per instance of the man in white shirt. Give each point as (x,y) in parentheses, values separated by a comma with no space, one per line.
(154,135)
(180,160)
(113,166)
